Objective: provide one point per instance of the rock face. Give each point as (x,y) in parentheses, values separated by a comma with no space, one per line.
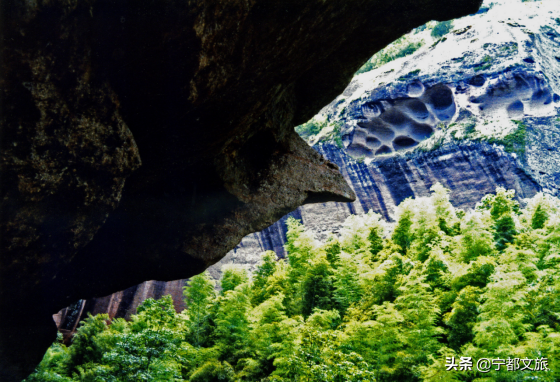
(469,171)
(193,104)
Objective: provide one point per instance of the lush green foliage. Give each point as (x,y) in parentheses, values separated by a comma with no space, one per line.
(379,301)
(310,128)
(514,142)
(331,131)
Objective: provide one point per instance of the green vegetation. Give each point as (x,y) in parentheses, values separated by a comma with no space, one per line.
(485,64)
(503,50)
(310,128)
(313,127)
(469,127)
(510,48)
(379,301)
(515,141)
(461,31)
(410,75)
(441,29)
(421,28)
(466,128)
(434,142)
(335,135)
(401,47)
(439,41)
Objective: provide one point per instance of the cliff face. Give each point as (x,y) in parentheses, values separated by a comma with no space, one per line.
(192,104)
(469,170)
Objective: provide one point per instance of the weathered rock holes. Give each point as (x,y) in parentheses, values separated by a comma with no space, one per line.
(373,142)
(358,150)
(477,81)
(383,150)
(515,109)
(542,96)
(417,109)
(400,124)
(403,142)
(441,96)
(371,110)
(520,82)
(421,132)
(415,89)
(514,95)
(394,116)
(378,129)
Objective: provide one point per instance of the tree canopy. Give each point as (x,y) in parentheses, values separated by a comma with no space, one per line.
(385,301)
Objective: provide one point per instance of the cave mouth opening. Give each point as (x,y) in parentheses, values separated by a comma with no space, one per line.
(386,127)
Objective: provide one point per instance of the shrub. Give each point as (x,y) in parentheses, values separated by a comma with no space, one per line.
(310,128)
(441,29)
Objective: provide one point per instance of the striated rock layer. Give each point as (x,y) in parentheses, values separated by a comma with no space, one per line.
(469,171)
(192,104)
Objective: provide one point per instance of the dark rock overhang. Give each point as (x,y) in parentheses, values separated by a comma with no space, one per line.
(193,103)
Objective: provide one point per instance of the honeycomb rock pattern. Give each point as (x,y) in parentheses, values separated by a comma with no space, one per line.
(392,125)
(514,94)
(413,112)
